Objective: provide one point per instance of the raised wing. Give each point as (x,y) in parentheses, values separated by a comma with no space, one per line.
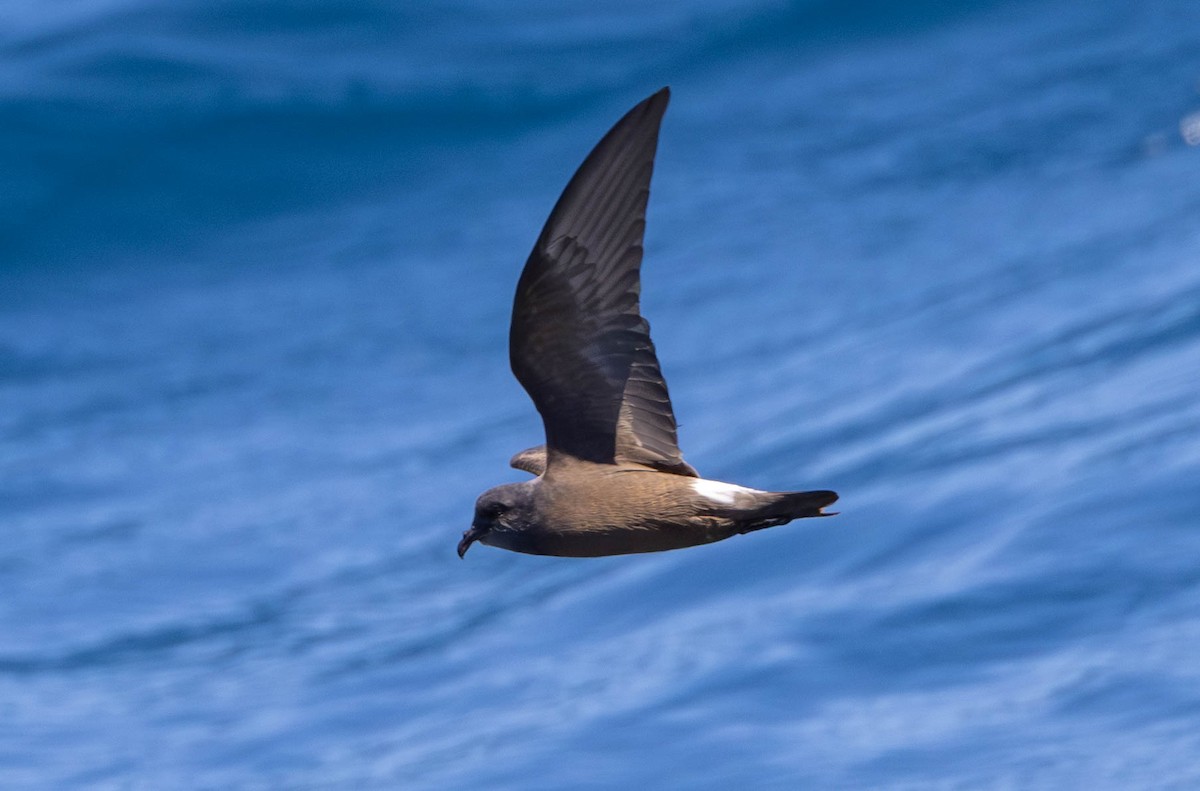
(531,460)
(578,343)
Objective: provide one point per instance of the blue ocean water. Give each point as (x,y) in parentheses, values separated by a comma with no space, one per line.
(256,263)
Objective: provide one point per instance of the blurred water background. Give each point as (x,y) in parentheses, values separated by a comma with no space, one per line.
(256,263)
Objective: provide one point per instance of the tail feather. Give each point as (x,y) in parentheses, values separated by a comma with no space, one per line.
(783,507)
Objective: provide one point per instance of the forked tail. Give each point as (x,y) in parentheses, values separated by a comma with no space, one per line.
(783,507)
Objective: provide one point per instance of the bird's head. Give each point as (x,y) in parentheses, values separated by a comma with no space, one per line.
(500,514)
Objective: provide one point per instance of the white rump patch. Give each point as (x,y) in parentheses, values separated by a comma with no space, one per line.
(720,492)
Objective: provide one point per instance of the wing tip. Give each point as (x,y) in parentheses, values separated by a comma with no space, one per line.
(658,100)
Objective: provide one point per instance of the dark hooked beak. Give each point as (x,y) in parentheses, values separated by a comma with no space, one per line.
(469,538)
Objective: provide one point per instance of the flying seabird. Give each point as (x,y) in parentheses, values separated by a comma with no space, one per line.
(610,478)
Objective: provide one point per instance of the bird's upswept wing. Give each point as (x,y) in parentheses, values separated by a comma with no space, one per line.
(531,460)
(578,343)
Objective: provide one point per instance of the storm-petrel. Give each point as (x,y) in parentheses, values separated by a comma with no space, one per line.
(610,478)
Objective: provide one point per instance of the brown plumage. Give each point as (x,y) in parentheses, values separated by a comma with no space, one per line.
(611,479)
